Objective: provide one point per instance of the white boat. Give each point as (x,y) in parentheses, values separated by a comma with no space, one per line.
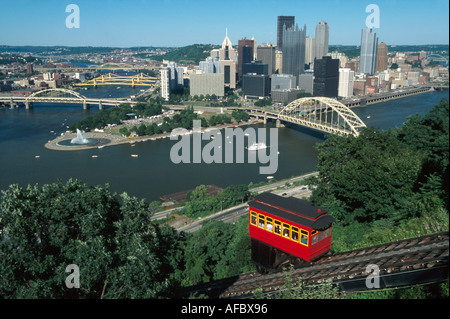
(257,147)
(37,156)
(134,155)
(368,116)
(94,156)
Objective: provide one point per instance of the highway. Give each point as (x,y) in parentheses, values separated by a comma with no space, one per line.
(231,215)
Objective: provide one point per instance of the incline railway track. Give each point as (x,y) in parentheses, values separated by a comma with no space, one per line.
(410,261)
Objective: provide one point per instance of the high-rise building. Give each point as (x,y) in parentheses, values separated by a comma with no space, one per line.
(255,85)
(382,57)
(210,65)
(306,82)
(227,56)
(294,40)
(29,68)
(209,83)
(321,40)
(368,54)
(266,54)
(310,51)
(255,67)
(165,86)
(326,77)
(245,53)
(346,78)
(278,61)
(283,22)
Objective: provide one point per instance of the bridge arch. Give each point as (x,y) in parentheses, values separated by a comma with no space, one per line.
(54,92)
(324,114)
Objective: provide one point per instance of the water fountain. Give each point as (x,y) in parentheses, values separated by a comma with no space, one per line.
(80,139)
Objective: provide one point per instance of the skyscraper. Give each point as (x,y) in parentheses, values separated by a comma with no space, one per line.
(326,77)
(283,21)
(227,56)
(368,54)
(266,53)
(382,57)
(245,53)
(346,78)
(294,40)
(321,40)
(310,49)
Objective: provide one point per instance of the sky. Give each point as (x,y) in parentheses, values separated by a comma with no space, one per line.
(176,23)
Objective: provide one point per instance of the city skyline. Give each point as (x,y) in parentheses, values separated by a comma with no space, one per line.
(176,23)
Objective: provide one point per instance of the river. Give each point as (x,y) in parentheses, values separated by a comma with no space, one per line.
(23,135)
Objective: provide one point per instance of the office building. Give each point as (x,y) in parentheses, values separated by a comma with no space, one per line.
(306,82)
(207,83)
(326,77)
(294,40)
(210,65)
(245,53)
(176,79)
(255,67)
(283,22)
(255,86)
(310,52)
(266,54)
(278,61)
(227,57)
(285,96)
(283,82)
(346,78)
(368,53)
(165,86)
(29,68)
(382,57)
(321,39)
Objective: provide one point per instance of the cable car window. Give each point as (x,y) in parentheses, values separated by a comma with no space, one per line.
(294,233)
(314,239)
(253,218)
(277,228)
(269,224)
(327,232)
(261,221)
(321,236)
(304,237)
(286,230)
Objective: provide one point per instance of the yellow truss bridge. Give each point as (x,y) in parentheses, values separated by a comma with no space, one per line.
(114,79)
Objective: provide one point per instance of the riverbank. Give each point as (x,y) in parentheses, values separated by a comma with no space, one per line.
(112,139)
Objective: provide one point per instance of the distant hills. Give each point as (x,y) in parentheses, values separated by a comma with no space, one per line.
(193,54)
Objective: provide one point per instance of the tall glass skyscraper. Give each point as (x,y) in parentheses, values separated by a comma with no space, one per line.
(294,41)
(283,21)
(368,54)
(321,40)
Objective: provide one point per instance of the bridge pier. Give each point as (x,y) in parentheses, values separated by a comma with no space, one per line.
(265,118)
(85,106)
(278,123)
(100,105)
(28,105)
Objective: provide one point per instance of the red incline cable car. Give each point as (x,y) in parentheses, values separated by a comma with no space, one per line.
(287,229)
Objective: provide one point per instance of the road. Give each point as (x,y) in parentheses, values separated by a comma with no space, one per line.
(231,215)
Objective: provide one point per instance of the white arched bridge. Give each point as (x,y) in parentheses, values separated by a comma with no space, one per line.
(318,113)
(60,96)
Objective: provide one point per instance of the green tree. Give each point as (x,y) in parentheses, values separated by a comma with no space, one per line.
(118,250)
(366,178)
